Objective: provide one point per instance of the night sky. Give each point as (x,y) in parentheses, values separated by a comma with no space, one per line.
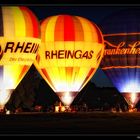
(94,13)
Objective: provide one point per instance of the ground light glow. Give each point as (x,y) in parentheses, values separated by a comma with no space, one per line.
(4,97)
(130,89)
(127,81)
(67,98)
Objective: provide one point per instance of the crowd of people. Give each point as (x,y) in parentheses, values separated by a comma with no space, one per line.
(82,107)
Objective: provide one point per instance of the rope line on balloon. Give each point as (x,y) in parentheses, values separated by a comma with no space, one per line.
(118,67)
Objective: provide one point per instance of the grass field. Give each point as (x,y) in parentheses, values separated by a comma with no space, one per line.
(80,123)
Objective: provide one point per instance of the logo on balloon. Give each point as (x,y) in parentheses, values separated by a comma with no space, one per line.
(120,49)
(22,47)
(121,46)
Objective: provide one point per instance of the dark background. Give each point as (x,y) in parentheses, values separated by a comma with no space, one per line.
(33,90)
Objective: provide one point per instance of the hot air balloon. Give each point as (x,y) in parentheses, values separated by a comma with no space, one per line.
(19,42)
(70,53)
(121,61)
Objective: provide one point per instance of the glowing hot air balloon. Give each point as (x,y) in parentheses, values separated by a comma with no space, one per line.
(121,61)
(19,42)
(71,50)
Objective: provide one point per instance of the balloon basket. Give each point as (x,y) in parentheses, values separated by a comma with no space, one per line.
(131,99)
(61,108)
(67,109)
(131,108)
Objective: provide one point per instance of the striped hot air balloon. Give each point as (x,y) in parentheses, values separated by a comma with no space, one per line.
(71,50)
(19,42)
(121,61)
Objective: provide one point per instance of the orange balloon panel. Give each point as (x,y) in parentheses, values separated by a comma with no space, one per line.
(71,51)
(19,42)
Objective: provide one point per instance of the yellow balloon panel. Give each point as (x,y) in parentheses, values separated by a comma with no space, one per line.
(19,27)
(16,57)
(68,66)
(69,54)
(18,50)
(11,75)
(4,96)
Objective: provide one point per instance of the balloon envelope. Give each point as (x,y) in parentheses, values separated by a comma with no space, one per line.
(121,61)
(19,42)
(71,50)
